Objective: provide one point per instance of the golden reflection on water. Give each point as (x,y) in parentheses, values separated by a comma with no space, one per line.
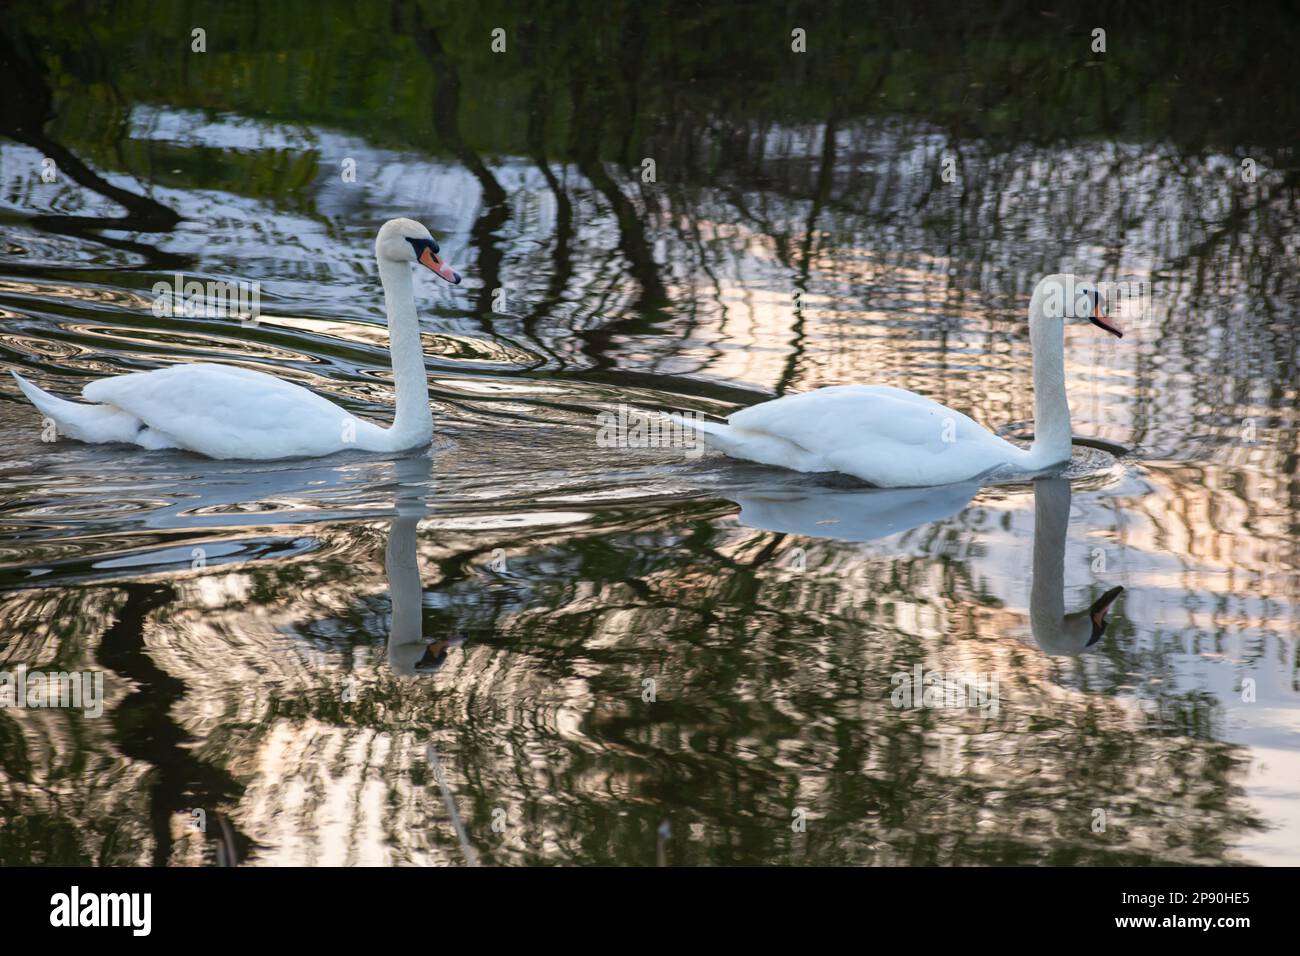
(268,685)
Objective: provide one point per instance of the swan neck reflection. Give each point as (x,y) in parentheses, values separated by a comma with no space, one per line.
(1056,632)
(409,652)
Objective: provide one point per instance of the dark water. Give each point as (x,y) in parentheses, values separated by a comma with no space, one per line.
(267,631)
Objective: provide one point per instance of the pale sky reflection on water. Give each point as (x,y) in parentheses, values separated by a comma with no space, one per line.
(577,573)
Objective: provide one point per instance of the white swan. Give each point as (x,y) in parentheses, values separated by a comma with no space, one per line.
(223,411)
(894,438)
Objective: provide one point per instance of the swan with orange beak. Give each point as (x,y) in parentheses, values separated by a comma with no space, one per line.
(231,411)
(894,438)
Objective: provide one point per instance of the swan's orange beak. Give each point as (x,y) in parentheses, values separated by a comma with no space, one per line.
(429,259)
(1100,320)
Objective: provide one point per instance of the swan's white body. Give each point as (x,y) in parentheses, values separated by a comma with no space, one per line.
(888,436)
(894,438)
(224,411)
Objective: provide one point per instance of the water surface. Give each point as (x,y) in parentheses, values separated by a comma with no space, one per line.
(329,657)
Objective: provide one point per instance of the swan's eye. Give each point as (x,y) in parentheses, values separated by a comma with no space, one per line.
(419,245)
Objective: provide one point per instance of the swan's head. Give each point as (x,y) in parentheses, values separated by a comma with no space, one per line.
(435,654)
(1079,631)
(405,240)
(1063,296)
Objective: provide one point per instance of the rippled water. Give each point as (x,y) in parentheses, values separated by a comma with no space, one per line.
(446,656)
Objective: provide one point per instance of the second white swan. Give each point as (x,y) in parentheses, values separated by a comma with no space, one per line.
(894,438)
(224,411)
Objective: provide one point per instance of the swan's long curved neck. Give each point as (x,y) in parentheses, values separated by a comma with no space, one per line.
(413,422)
(1051,407)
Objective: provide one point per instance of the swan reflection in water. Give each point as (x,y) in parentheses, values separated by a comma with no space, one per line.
(1058,633)
(409,651)
(864,514)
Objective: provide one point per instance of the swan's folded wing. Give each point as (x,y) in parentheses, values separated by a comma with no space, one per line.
(840,416)
(886,436)
(226,412)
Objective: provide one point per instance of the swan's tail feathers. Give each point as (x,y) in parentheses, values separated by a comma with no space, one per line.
(700,433)
(751,445)
(47,404)
(713,433)
(91,423)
